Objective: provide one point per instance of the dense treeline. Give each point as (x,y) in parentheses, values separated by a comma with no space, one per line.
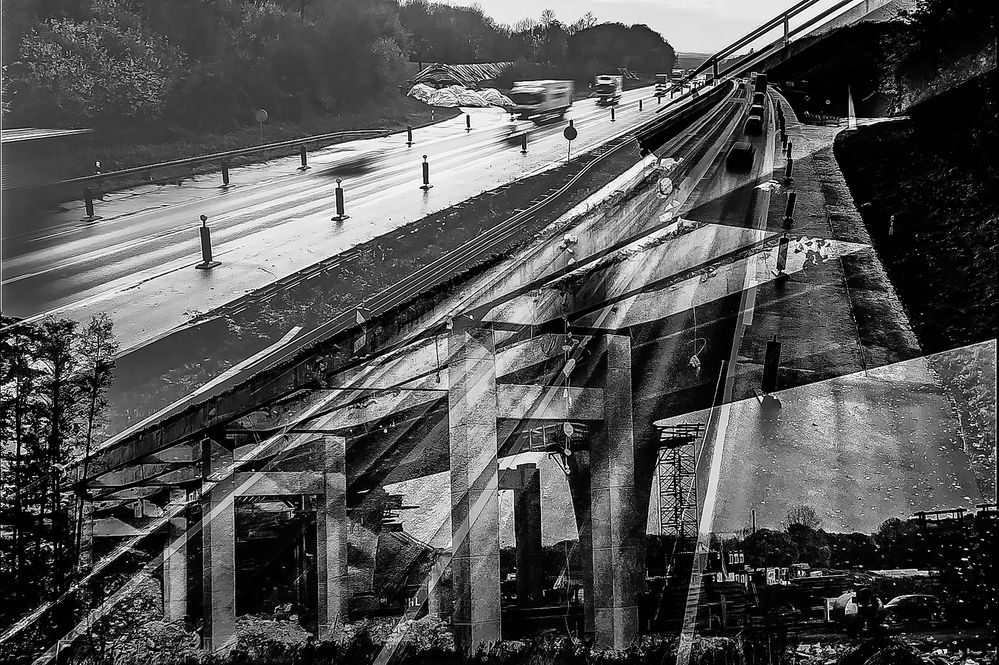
(191,63)
(54,378)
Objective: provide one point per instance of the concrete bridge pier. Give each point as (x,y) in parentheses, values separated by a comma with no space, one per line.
(611,514)
(175,562)
(220,486)
(218,534)
(475,562)
(525,481)
(615,513)
(331,539)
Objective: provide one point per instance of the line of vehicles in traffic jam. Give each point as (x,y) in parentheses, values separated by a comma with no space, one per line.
(549,99)
(742,153)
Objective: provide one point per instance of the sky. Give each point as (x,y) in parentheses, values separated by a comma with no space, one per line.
(702,26)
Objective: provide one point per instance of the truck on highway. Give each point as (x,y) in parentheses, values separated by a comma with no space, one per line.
(662,84)
(538,100)
(608,89)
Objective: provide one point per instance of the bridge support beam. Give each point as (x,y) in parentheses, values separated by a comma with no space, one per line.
(525,481)
(175,562)
(617,522)
(331,540)
(218,516)
(475,563)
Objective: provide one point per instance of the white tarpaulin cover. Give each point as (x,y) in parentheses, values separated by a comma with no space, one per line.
(455,95)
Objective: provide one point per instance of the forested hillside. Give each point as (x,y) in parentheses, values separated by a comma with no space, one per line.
(209,64)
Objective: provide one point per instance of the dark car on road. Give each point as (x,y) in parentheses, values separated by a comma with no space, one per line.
(913,608)
(740,157)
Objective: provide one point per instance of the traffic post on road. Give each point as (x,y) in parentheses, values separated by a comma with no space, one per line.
(782,256)
(305,159)
(788,169)
(206,247)
(570,134)
(426,175)
(639,104)
(409,136)
(612,114)
(88,204)
(771,365)
(468,122)
(340,214)
(225,173)
(788,151)
(523,143)
(789,210)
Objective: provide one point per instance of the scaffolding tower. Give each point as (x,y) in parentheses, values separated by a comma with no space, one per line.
(677,482)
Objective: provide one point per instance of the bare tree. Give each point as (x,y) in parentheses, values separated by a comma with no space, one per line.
(802,515)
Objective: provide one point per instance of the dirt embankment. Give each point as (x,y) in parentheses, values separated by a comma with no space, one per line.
(929,195)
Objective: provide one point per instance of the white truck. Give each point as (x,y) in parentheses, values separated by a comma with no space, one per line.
(608,89)
(662,84)
(538,100)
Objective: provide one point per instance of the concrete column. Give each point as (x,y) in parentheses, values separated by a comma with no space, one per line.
(175,561)
(527,528)
(618,570)
(218,533)
(331,540)
(85,556)
(579,490)
(475,564)
(435,588)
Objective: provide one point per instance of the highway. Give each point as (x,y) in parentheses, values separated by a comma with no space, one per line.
(273,220)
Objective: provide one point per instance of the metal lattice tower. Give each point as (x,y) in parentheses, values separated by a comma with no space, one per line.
(677,483)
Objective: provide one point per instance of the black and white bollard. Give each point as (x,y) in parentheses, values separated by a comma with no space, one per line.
(468,122)
(225,173)
(88,204)
(426,175)
(771,366)
(612,114)
(409,136)
(305,159)
(340,214)
(206,247)
(639,104)
(782,255)
(789,210)
(523,143)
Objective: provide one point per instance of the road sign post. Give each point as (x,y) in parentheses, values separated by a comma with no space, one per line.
(261,117)
(570,134)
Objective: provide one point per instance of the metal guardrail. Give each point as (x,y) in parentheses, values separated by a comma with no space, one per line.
(190,161)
